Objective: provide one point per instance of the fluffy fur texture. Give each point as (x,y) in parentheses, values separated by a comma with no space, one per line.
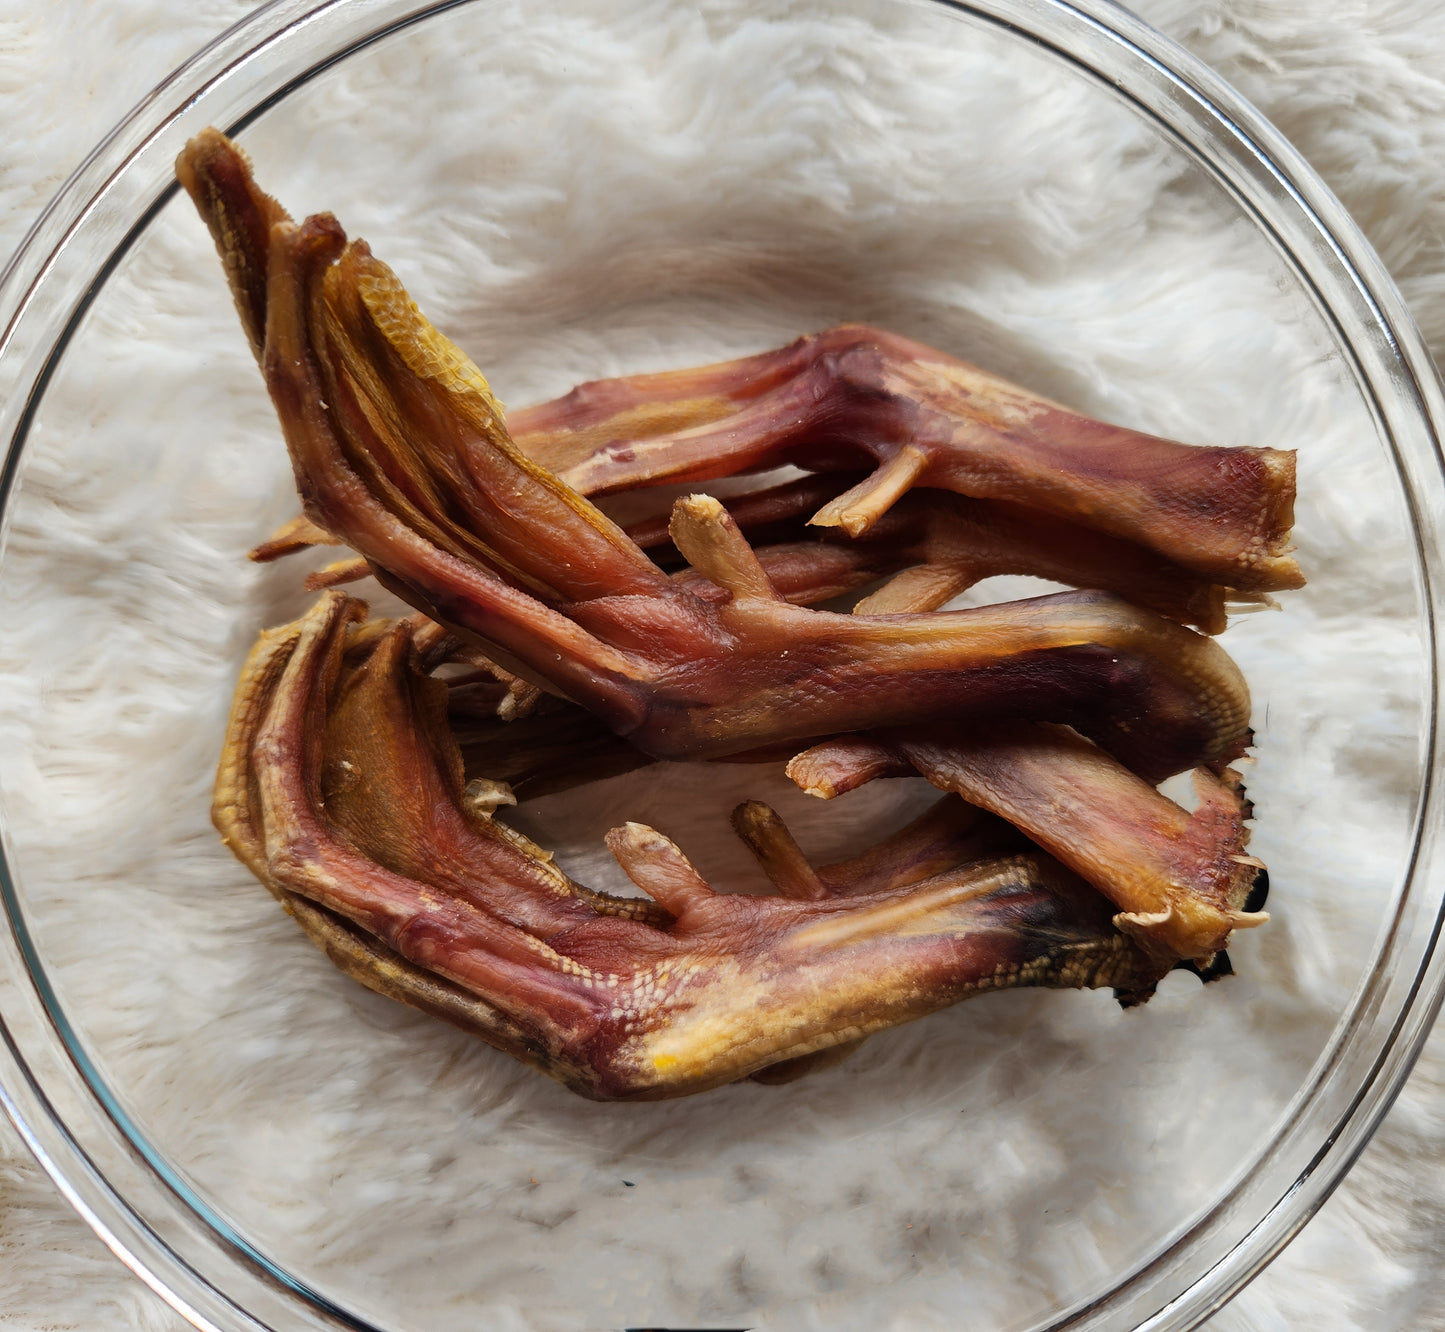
(627,187)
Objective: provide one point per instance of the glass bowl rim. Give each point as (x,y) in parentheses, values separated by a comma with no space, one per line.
(126,1191)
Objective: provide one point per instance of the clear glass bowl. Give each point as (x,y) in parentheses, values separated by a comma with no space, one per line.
(584,189)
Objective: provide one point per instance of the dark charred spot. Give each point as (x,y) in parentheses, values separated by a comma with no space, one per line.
(1133,998)
(1258,892)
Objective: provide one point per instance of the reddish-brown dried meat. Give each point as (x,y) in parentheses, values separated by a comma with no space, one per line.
(342,791)
(1189,525)
(856,394)
(399,450)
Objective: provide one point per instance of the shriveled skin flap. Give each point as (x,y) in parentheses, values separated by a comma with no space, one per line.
(340,787)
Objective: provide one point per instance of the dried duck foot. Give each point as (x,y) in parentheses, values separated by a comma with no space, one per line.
(1142,850)
(555,591)
(853,396)
(936,545)
(944,544)
(341,790)
(931,546)
(1180,879)
(856,394)
(563,746)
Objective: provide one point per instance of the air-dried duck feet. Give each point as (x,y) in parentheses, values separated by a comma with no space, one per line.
(340,788)
(851,397)
(856,394)
(399,449)
(1179,879)
(944,544)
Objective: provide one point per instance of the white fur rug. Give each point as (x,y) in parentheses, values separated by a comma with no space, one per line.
(269,1079)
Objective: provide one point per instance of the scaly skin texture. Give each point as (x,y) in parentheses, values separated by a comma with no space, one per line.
(341,789)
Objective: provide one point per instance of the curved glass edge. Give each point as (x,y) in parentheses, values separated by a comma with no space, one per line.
(110,1182)
(84,1178)
(127,177)
(139,1206)
(1355,294)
